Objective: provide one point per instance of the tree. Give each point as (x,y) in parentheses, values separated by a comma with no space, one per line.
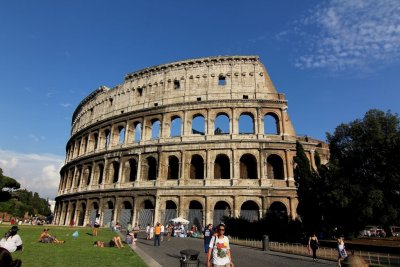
(7,185)
(364,171)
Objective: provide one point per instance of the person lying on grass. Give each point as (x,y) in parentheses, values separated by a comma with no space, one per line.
(114,242)
(45,237)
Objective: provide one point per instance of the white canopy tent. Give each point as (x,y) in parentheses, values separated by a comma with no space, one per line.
(179,220)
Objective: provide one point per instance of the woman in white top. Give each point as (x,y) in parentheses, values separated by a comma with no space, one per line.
(219,254)
(12,241)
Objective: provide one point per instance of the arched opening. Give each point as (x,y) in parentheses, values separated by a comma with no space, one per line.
(169,212)
(246,123)
(126,214)
(107,136)
(248,167)
(146,214)
(250,211)
(88,174)
(94,213)
(81,215)
(96,140)
(222,167)
(271,124)
(138,132)
(100,173)
(176,124)
(155,129)
(221,210)
(108,213)
(173,168)
(121,130)
(72,218)
(221,124)
(150,169)
(195,216)
(198,124)
(114,170)
(277,218)
(132,170)
(78,177)
(197,167)
(275,167)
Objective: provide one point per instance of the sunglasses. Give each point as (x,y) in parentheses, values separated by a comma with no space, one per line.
(221,229)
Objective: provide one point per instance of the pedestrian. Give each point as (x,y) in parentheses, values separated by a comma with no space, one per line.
(219,253)
(157,233)
(208,233)
(96,226)
(313,246)
(148,232)
(341,250)
(170,229)
(136,230)
(162,232)
(151,232)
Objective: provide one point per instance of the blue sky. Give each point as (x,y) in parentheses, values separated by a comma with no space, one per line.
(334,60)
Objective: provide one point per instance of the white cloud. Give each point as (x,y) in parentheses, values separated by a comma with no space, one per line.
(357,34)
(35,172)
(65,105)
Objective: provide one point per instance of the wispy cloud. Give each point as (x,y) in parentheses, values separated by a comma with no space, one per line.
(344,35)
(65,105)
(35,138)
(35,172)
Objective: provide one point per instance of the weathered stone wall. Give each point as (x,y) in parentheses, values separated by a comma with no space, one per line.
(126,161)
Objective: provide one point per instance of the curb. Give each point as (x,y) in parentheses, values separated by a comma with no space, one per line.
(145,257)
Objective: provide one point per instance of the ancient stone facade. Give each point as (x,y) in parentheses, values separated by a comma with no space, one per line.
(198,139)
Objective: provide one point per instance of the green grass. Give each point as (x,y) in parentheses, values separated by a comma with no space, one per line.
(74,252)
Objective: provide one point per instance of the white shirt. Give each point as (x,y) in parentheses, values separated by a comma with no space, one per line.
(11,243)
(220,249)
(162,229)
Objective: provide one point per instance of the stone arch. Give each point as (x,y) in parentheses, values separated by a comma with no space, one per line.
(246,123)
(222,167)
(108,212)
(250,211)
(173,168)
(99,173)
(197,167)
(113,172)
(271,123)
(107,137)
(81,214)
(87,175)
(78,176)
(137,137)
(222,124)
(195,215)
(94,211)
(126,214)
(146,213)
(121,134)
(279,210)
(176,126)
(132,170)
(198,124)
(169,212)
(155,128)
(275,169)
(221,209)
(150,169)
(248,167)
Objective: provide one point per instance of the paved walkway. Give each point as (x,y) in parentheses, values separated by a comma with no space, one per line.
(168,255)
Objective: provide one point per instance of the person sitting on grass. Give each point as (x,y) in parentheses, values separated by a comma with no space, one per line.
(12,241)
(114,242)
(45,237)
(6,259)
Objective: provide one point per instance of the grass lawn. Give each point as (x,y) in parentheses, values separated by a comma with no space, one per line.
(74,252)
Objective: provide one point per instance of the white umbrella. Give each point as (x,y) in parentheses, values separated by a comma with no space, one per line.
(179,220)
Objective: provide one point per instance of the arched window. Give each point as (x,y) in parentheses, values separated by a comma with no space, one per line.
(221,210)
(197,167)
(114,170)
(132,170)
(271,124)
(138,132)
(278,210)
(150,169)
(107,136)
(246,123)
(121,130)
(275,167)
(155,129)
(88,174)
(101,173)
(248,167)
(176,123)
(173,168)
(250,211)
(221,167)
(195,216)
(198,124)
(96,140)
(221,125)
(78,178)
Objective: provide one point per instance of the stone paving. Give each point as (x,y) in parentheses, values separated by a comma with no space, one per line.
(168,255)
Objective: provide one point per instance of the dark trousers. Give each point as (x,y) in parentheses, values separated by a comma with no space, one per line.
(156,240)
(314,253)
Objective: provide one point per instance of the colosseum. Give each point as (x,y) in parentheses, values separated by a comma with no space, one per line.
(199,139)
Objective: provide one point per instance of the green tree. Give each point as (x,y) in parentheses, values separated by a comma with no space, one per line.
(364,171)
(7,185)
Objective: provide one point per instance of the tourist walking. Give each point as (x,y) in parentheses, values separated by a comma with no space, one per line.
(341,250)
(208,233)
(170,228)
(148,232)
(162,232)
(96,226)
(157,233)
(136,230)
(219,253)
(313,246)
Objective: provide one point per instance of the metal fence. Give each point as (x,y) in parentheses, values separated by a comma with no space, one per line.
(372,258)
